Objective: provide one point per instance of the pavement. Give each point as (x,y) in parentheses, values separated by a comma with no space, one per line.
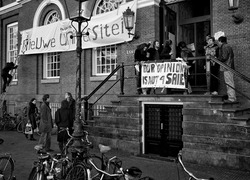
(23,153)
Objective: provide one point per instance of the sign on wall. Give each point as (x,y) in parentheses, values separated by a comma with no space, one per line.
(163,75)
(104,29)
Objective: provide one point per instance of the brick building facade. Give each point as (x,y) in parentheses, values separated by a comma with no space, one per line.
(155,20)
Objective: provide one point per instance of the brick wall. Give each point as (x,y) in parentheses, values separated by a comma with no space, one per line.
(238,36)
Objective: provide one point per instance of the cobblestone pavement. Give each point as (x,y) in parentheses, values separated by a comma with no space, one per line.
(23,153)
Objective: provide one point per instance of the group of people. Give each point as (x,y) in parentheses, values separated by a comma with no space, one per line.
(223,52)
(220,51)
(64,118)
(148,52)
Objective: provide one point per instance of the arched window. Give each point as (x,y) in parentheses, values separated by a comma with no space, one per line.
(107,5)
(52,16)
(105,58)
(51,61)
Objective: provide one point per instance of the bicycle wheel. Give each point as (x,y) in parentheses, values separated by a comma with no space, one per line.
(36,174)
(9,126)
(6,167)
(78,172)
(19,127)
(94,174)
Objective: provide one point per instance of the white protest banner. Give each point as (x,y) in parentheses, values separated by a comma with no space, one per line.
(163,75)
(104,29)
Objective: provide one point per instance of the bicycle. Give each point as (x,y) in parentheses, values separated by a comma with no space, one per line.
(49,167)
(10,122)
(190,175)
(6,167)
(92,167)
(20,124)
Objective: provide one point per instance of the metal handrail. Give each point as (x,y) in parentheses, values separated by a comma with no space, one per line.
(242,76)
(238,74)
(102,83)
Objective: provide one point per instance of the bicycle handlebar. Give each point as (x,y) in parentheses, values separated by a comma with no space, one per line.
(106,173)
(189,173)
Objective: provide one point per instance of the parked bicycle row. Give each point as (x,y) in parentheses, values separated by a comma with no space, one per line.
(79,163)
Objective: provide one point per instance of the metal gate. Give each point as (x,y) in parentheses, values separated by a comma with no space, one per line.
(163,129)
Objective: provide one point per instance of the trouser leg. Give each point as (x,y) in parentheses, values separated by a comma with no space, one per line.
(229,79)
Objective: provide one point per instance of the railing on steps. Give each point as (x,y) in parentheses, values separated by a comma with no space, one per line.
(88,107)
(238,74)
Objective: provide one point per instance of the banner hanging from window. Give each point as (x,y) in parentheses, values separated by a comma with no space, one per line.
(104,29)
(163,75)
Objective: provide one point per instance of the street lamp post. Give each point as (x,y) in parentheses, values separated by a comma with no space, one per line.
(82,15)
(129,22)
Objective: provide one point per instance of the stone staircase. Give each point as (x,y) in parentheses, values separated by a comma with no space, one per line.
(214,133)
(118,126)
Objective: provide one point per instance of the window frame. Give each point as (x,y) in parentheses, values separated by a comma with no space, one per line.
(100,76)
(54,55)
(10,58)
(107,55)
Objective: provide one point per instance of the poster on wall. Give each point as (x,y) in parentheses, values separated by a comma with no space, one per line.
(163,75)
(104,29)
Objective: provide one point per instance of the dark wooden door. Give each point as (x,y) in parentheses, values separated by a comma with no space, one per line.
(163,129)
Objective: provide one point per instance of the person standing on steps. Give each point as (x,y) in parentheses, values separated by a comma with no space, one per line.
(140,56)
(5,74)
(226,55)
(211,51)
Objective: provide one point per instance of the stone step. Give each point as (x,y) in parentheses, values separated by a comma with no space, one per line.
(220,130)
(115,133)
(132,147)
(234,112)
(218,159)
(117,122)
(212,119)
(245,118)
(223,105)
(224,145)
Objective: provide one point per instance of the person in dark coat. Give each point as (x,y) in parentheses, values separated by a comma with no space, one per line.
(166,51)
(140,56)
(154,52)
(212,51)
(226,55)
(63,121)
(5,74)
(32,113)
(184,52)
(71,106)
(46,124)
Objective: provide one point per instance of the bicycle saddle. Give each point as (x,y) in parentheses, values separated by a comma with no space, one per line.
(104,149)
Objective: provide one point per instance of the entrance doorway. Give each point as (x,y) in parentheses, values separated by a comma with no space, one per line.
(163,129)
(188,21)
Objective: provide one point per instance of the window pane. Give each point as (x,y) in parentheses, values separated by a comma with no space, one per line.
(106,59)
(12,30)
(53,65)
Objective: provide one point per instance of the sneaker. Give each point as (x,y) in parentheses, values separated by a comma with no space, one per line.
(215,93)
